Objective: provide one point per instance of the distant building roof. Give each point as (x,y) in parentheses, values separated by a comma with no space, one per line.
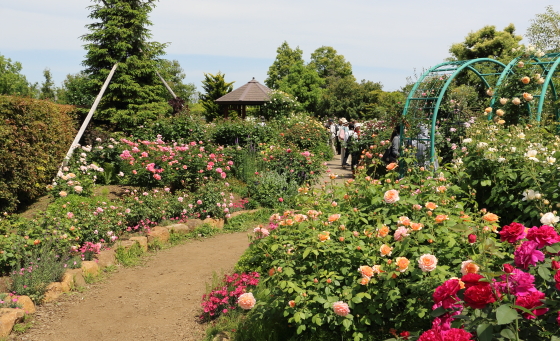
(252,93)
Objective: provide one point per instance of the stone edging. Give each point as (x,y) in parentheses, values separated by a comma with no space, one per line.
(74,278)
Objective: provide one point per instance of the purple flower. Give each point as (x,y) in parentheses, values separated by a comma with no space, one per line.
(527,254)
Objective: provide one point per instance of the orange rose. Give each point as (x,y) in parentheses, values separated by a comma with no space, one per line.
(391,196)
(292,303)
(441,189)
(289,222)
(490,217)
(324,236)
(271,272)
(416,226)
(334,217)
(525,80)
(366,271)
(300,217)
(431,206)
(392,166)
(402,264)
(383,231)
(364,281)
(440,218)
(403,221)
(385,250)
(469,267)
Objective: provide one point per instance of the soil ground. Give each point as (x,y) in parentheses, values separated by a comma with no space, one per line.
(159,300)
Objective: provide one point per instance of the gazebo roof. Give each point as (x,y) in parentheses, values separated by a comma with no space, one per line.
(252,93)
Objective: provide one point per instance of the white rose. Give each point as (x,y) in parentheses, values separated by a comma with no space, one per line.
(467,140)
(549,219)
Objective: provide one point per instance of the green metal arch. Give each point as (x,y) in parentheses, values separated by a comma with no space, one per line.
(457,67)
(549,68)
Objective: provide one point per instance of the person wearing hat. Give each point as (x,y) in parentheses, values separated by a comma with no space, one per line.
(342,136)
(333,129)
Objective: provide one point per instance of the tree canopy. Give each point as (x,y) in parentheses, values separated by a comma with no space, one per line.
(328,63)
(304,84)
(544,31)
(120,35)
(12,81)
(487,43)
(285,58)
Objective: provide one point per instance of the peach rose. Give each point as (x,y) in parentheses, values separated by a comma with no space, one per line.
(416,226)
(300,217)
(364,281)
(324,236)
(402,264)
(490,217)
(431,206)
(503,101)
(383,231)
(385,250)
(392,166)
(427,262)
(525,80)
(440,218)
(391,196)
(500,112)
(246,301)
(488,110)
(340,308)
(527,96)
(366,271)
(403,221)
(334,217)
(292,303)
(516,101)
(441,189)
(469,267)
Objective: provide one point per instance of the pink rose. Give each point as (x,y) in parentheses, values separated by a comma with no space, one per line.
(446,294)
(544,235)
(340,308)
(530,302)
(527,254)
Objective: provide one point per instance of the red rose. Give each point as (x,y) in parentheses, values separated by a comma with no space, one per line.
(513,232)
(472,238)
(508,268)
(404,335)
(446,293)
(530,302)
(555,265)
(557,279)
(544,235)
(471,279)
(479,296)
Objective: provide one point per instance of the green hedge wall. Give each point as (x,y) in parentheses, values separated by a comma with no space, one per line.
(34,138)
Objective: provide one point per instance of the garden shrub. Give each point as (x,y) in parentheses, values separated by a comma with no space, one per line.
(227,132)
(359,246)
(34,136)
(271,189)
(305,133)
(183,127)
(512,170)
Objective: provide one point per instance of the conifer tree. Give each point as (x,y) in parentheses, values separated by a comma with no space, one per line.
(215,86)
(120,34)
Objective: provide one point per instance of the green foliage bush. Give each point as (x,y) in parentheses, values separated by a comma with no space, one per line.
(34,136)
(227,132)
(271,189)
(306,133)
(183,127)
(313,257)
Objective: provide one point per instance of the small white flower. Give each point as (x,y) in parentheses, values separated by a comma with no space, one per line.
(467,140)
(551,160)
(521,136)
(501,159)
(529,194)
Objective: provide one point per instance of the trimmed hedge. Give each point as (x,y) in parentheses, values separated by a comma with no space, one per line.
(34,138)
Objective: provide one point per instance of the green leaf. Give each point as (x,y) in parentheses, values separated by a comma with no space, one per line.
(505,314)
(300,329)
(544,273)
(306,252)
(523,309)
(459,228)
(438,312)
(554,248)
(274,247)
(508,334)
(484,332)
(347,323)
(555,338)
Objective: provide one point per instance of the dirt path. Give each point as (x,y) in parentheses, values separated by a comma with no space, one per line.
(336,167)
(156,301)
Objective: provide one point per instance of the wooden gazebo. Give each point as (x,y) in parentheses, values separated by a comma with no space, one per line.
(252,93)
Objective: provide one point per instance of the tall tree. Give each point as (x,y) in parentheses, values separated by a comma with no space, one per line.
(305,85)
(544,31)
(328,63)
(285,58)
(487,43)
(215,87)
(48,90)
(120,35)
(346,98)
(174,75)
(75,91)
(12,82)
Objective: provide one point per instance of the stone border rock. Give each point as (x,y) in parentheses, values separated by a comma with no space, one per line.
(75,278)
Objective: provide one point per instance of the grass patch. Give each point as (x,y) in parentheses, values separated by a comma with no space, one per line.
(131,256)
(245,221)
(26,323)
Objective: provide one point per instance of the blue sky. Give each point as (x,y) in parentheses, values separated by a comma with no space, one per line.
(385,41)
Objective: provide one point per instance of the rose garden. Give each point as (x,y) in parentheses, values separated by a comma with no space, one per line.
(459,244)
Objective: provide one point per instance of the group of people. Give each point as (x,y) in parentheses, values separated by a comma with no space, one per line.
(343,135)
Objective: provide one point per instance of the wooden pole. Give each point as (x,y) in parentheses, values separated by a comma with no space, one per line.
(88,118)
(166,85)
